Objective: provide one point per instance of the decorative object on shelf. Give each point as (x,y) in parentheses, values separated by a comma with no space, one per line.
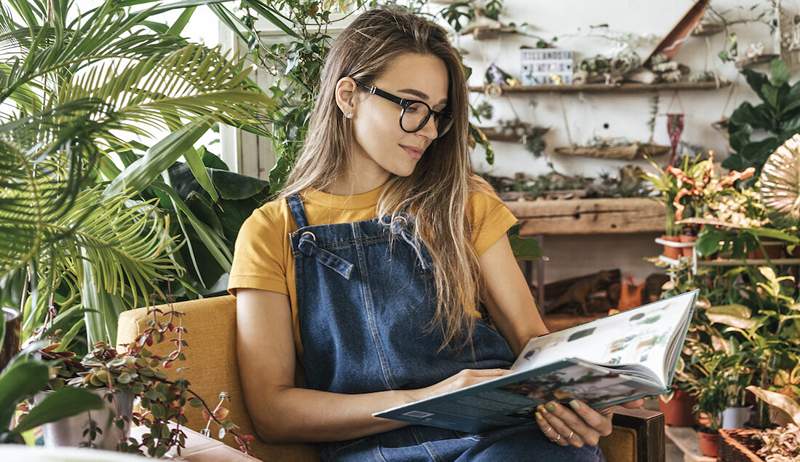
(532,136)
(607,70)
(779,184)
(580,292)
(708,26)
(496,76)
(672,42)
(628,182)
(546,66)
(614,149)
(754,55)
(675,123)
(601,88)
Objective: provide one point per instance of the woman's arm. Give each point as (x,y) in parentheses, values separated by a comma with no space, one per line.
(283,412)
(508,298)
(513,311)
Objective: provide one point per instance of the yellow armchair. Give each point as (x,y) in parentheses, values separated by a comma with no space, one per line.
(211,367)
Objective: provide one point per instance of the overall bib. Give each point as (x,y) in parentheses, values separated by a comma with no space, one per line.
(365,300)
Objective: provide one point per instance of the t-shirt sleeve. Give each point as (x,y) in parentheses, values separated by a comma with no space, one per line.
(258,258)
(490,218)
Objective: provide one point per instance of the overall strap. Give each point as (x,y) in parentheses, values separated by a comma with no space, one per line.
(298,211)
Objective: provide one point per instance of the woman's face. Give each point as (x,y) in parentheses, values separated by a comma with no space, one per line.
(376,120)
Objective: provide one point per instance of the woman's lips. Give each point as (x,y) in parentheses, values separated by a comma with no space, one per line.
(414,153)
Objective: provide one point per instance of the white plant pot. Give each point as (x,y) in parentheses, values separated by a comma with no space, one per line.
(735,417)
(70,431)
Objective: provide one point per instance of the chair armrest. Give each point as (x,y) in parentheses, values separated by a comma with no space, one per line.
(649,428)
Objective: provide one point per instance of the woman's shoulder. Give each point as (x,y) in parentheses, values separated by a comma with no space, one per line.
(273,215)
(482,195)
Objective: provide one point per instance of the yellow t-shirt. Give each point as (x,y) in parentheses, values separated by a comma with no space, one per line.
(263,255)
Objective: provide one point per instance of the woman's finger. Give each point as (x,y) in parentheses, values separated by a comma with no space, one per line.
(633,404)
(596,420)
(549,432)
(569,425)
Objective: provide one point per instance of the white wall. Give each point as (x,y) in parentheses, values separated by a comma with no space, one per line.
(625,114)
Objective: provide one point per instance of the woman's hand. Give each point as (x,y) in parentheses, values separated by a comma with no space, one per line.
(577,424)
(463,379)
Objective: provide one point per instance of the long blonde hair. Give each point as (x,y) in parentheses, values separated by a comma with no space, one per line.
(438,190)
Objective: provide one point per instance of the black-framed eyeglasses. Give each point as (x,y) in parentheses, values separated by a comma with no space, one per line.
(414,114)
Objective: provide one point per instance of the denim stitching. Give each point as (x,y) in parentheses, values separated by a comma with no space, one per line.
(369,308)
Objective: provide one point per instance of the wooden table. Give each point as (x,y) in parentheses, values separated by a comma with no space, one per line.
(542,218)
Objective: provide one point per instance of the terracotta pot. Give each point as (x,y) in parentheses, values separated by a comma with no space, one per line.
(687,251)
(678,411)
(671,252)
(709,443)
(774,250)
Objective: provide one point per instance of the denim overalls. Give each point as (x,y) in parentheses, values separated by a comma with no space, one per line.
(365,299)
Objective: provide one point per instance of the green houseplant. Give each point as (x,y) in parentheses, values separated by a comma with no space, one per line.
(756,131)
(69,186)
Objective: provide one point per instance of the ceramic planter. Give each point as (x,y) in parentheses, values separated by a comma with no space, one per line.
(709,443)
(684,238)
(735,417)
(69,431)
(671,252)
(678,411)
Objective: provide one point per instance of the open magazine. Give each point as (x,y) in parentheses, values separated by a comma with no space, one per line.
(605,362)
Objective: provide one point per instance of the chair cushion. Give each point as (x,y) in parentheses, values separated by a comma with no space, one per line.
(211,367)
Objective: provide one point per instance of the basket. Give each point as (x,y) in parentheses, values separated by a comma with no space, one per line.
(737,445)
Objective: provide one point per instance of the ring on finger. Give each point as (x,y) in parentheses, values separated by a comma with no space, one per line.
(571,434)
(558,437)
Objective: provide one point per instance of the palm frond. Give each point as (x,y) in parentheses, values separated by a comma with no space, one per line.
(44,161)
(191,82)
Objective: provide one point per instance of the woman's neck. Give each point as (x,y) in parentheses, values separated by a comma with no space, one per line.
(363,175)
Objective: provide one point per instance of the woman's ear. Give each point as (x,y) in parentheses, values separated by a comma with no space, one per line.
(346,96)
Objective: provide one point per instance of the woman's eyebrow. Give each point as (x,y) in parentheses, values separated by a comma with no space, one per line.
(419,94)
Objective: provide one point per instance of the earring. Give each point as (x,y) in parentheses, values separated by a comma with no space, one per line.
(348,115)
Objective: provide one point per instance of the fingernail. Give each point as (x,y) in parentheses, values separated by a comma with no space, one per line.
(538,416)
(550,407)
(541,409)
(575,404)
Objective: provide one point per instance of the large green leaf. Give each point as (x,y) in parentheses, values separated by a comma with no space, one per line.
(778,400)
(144,171)
(17,382)
(234,186)
(60,404)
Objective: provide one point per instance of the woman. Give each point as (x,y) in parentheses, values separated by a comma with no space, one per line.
(383,267)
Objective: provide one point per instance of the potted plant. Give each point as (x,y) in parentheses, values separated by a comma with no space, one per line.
(666,184)
(23,378)
(119,377)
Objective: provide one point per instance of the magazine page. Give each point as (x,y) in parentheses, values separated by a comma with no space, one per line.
(641,336)
(511,399)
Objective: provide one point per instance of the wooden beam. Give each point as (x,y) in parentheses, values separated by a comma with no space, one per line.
(589,216)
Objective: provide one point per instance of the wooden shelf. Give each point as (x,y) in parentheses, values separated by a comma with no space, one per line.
(602,88)
(589,216)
